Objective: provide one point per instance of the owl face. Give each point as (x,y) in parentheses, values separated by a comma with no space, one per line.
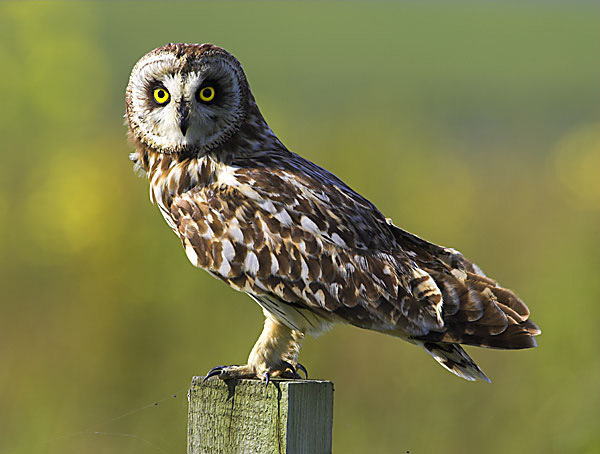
(186,98)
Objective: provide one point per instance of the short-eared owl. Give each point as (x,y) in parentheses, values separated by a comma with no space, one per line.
(297,239)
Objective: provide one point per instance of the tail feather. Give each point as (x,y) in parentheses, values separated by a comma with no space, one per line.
(453,358)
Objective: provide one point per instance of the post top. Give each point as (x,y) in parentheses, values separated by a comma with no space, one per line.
(197,381)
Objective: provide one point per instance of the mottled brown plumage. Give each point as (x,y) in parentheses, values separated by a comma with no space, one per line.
(293,236)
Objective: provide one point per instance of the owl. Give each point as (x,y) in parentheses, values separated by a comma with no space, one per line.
(298,240)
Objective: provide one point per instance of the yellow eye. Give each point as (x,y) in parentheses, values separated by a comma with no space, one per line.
(206,94)
(161,95)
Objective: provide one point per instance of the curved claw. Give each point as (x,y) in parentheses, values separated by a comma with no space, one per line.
(267,378)
(294,370)
(290,367)
(216,368)
(213,372)
(303,369)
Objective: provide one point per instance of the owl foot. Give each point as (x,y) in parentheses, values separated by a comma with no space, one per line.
(286,370)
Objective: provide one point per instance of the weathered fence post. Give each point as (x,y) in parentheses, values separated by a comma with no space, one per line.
(245,416)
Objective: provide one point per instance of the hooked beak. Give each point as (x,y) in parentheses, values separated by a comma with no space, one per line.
(184,116)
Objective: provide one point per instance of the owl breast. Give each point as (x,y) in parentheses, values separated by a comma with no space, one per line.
(238,236)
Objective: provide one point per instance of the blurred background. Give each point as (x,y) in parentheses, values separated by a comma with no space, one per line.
(489,111)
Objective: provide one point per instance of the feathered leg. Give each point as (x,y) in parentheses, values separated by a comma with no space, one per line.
(275,354)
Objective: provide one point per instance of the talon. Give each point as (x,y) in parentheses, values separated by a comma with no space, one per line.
(213,372)
(267,376)
(290,367)
(303,369)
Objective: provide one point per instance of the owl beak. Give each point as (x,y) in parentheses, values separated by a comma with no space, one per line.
(184,116)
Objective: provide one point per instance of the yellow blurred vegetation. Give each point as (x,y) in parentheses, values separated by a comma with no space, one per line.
(475,125)
(577,166)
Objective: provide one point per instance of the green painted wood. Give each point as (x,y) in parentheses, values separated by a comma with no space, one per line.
(245,416)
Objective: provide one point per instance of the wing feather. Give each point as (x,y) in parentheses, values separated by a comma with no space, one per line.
(477,310)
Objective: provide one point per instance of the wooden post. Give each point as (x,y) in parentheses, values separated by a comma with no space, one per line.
(245,416)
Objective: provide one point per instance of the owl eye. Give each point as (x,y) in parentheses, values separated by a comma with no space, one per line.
(206,94)
(161,96)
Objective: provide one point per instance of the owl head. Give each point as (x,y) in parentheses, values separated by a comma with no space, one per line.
(187,98)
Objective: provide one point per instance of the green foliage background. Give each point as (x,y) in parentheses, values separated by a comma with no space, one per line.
(475,124)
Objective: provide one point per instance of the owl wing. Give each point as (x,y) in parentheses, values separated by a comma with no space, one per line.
(476,309)
(298,238)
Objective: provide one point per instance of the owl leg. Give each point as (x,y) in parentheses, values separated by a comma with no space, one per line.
(275,354)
